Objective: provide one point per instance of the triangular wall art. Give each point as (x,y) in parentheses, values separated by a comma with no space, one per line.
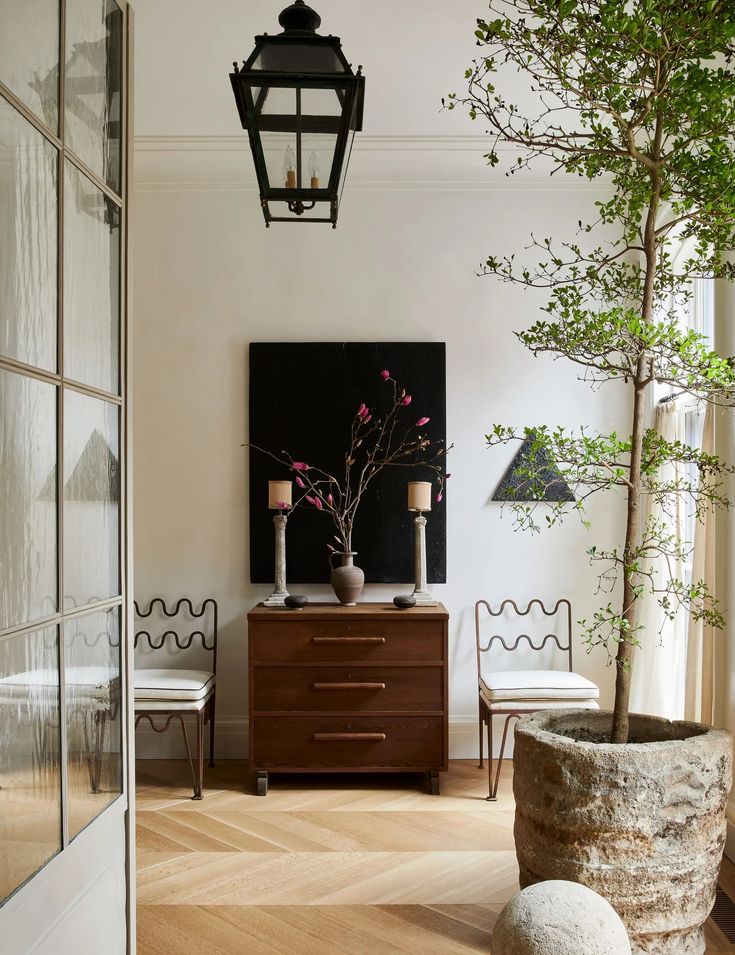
(515,485)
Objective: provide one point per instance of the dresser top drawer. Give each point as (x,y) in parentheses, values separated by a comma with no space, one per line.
(368,641)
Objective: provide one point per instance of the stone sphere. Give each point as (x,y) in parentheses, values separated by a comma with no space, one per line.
(559,918)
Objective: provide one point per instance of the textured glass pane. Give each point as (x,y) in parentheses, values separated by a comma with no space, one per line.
(91,500)
(30,788)
(28,582)
(91,284)
(28,240)
(93,726)
(93,84)
(29,54)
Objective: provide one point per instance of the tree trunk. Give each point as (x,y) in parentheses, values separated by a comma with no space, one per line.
(624,657)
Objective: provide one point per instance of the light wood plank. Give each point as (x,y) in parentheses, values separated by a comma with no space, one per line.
(326,865)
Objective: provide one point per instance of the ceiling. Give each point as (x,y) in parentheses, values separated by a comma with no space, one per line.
(412,51)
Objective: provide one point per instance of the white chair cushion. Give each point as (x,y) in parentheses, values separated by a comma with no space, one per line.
(172,684)
(537,685)
(86,683)
(510,706)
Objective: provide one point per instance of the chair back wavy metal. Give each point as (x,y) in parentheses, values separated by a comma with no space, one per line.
(171,692)
(515,693)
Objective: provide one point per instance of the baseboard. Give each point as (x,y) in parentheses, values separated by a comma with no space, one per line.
(232,739)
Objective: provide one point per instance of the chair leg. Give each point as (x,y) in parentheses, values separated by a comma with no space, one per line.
(489,721)
(199,784)
(479,726)
(211,729)
(493,795)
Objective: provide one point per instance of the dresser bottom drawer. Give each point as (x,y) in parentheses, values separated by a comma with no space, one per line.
(369,743)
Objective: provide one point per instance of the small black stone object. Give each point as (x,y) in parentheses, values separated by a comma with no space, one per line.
(296,601)
(404,601)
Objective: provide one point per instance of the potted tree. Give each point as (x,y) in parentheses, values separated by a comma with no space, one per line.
(641,95)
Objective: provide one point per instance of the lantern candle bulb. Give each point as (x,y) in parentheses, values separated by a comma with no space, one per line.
(314,171)
(289,168)
(419,500)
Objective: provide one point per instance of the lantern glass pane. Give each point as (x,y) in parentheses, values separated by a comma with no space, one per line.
(307,57)
(322,102)
(279,101)
(279,152)
(317,158)
(345,163)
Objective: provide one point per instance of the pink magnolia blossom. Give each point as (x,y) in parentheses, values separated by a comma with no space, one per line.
(299,466)
(406,400)
(385,374)
(362,409)
(330,498)
(310,499)
(300,482)
(422,421)
(365,412)
(439,498)
(318,504)
(367,418)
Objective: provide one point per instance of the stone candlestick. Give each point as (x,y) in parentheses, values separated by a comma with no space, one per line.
(419,500)
(279,499)
(278,597)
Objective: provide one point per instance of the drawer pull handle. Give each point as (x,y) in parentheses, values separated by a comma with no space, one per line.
(348,686)
(348,737)
(361,641)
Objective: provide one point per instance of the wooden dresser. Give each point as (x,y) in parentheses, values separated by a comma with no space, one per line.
(348,689)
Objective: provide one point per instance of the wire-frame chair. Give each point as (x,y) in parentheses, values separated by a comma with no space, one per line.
(515,693)
(173,693)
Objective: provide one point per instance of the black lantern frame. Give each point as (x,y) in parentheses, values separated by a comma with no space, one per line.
(293,62)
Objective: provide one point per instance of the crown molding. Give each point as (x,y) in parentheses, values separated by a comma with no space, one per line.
(393,163)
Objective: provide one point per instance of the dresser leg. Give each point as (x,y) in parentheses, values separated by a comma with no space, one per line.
(262,783)
(434,782)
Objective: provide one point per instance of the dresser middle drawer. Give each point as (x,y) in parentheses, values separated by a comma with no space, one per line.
(333,689)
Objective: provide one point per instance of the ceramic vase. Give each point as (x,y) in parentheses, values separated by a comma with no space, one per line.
(347,580)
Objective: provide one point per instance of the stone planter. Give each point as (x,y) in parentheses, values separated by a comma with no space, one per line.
(641,824)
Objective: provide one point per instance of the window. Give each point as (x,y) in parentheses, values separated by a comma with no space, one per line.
(62,440)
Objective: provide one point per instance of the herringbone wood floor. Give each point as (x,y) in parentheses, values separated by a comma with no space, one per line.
(324,865)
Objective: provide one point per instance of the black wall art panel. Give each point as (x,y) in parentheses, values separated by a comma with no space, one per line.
(303,398)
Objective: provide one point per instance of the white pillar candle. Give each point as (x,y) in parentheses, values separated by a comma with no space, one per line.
(419,496)
(279,493)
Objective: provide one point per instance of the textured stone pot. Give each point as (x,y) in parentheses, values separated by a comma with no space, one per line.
(642,824)
(347,580)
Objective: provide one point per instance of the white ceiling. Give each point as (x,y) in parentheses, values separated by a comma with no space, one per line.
(412,51)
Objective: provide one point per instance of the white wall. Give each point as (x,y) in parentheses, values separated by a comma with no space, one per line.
(400,266)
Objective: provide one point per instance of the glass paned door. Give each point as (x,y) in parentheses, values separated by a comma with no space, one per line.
(93,85)
(63,577)
(30,786)
(93,722)
(91,500)
(91,284)
(28,241)
(28,569)
(29,55)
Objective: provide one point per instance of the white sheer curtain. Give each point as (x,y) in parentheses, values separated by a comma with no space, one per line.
(659,667)
(700,666)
